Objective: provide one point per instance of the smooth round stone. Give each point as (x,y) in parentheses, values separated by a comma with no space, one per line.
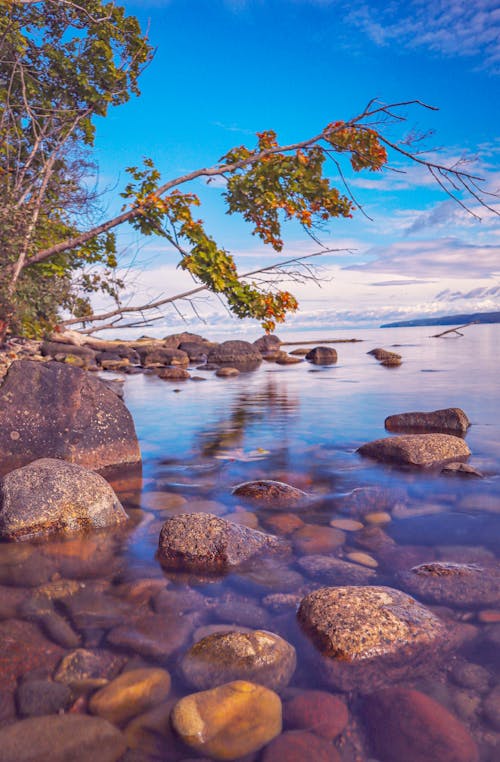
(229,721)
(149,735)
(39,697)
(470,675)
(362,558)
(283,523)
(299,745)
(270,492)
(174,374)
(451,420)
(162,501)
(244,518)
(379,517)
(317,711)
(489,616)
(131,694)
(227,372)
(346,525)
(259,656)
(60,738)
(407,725)
(315,538)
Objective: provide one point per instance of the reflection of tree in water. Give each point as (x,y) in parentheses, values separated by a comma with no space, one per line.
(271,404)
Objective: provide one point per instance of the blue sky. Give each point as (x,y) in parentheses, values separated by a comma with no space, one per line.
(225,69)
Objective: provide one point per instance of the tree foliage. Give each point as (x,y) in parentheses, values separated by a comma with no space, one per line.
(62,64)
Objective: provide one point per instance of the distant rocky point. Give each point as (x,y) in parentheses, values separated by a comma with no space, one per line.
(474,317)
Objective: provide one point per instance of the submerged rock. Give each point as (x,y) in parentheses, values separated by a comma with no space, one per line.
(383,354)
(451,420)
(322,356)
(60,738)
(453,584)
(56,411)
(370,636)
(259,656)
(422,450)
(318,711)
(407,725)
(269,491)
(298,745)
(204,542)
(51,495)
(130,694)
(229,721)
(283,358)
(336,571)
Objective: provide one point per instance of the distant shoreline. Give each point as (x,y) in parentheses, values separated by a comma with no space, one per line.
(474,317)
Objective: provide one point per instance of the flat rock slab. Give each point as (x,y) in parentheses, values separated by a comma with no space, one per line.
(204,542)
(229,721)
(421,450)
(451,420)
(60,738)
(369,636)
(259,656)
(454,584)
(50,495)
(57,411)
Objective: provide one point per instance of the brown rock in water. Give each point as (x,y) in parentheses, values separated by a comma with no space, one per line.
(157,636)
(407,725)
(53,410)
(451,420)
(335,571)
(453,584)
(24,649)
(174,374)
(227,372)
(197,351)
(317,711)
(422,450)
(63,351)
(269,491)
(229,721)
(268,343)
(282,358)
(370,636)
(383,354)
(61,738)
(259,657)
(50,496)
(238,354)
(130,694)
(316,538)
(161,356)
(86,667)
(299,745)
(204,542)
(322,356)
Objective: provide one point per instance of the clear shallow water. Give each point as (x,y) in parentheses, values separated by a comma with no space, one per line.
(301,424)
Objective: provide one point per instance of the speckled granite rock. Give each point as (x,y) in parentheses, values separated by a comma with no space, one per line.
(451,420)
(50,495)
(54,410)
(270,492)
(423,450)
(204,542)
(259,656)
(322,356)
(366,637)
(454,584)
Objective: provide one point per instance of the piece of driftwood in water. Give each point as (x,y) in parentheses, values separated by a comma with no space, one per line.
(318,342)
(454,330)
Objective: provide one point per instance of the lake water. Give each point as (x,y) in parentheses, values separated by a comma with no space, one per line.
(302,424)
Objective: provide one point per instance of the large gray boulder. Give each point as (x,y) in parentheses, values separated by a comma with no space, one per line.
(206,543)
(57,411)
(51,495)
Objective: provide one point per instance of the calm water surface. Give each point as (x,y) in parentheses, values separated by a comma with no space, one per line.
(302,424)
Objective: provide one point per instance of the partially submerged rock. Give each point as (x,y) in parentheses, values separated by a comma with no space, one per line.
(383,354)
(50,496)
(454,584)
(322,356)
(174,374)
(451,420)
(229,721)
(270,492)
(258,656)
(423,450)
(370,636)
(56,411)
(204,542)
(238,354)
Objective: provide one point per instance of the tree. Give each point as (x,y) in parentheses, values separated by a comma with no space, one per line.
(63,64)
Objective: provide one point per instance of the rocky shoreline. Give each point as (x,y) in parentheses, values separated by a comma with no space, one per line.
(99,662)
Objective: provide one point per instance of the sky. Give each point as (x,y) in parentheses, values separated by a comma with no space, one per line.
(226,69)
